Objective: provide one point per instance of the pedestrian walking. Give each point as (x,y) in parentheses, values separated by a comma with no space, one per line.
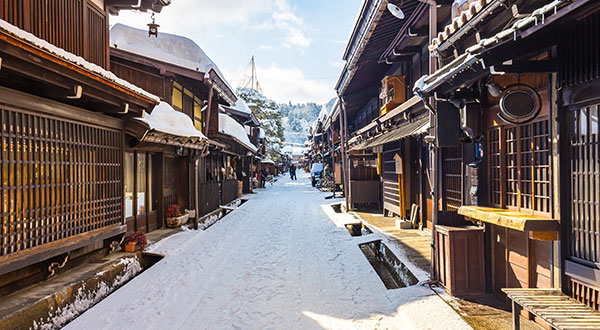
(293,172)
(263,177)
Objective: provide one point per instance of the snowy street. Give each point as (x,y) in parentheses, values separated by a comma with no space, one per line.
(282,260)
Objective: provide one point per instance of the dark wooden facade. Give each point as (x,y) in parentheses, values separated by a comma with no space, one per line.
(546,169)
(200,180)
(63,154)
(77,26)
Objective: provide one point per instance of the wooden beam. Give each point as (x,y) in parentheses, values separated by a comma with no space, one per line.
(407,51)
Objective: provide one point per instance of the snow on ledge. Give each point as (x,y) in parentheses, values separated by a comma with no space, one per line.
(229,126)
(72,58)
(165,119)
(240,106)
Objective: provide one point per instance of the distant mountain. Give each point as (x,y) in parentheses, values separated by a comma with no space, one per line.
(297,118)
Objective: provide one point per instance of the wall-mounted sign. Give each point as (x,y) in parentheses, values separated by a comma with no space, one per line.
(398,161)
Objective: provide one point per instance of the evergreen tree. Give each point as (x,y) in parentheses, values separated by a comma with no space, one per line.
(268,113)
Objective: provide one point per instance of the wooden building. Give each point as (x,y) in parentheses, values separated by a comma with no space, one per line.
(63,133)
(194,176)
(383,124)
(517,123)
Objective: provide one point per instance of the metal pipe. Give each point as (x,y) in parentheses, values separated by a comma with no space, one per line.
(343,147)
(434,149)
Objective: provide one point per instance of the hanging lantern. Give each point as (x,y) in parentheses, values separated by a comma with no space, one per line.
(153,28)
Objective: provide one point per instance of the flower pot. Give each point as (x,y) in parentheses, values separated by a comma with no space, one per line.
(175,222)
(130,247)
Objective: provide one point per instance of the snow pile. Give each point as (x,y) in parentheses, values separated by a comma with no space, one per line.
(210,220)
(86,299)
(165,119)
(168,48)
(74,59)
(240,106)
(229,126)
(276,262)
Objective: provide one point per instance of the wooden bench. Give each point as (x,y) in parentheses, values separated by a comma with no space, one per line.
(551,305)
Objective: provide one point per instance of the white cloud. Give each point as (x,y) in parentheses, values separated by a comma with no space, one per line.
(293,28)
(284,84)
(266,47)
(210,16)
(336,64)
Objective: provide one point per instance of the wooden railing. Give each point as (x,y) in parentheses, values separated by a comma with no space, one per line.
(77,26)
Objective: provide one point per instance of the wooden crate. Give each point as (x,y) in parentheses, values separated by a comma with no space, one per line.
(459,259)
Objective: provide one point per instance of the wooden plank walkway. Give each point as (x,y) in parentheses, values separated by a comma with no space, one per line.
(554,307)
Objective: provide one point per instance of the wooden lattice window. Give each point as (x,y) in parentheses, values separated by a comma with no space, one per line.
(452,170)
(585,184)
(495,166)
(519,167)
(59,178)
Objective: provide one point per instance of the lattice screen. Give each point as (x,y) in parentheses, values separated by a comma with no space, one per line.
(59,179)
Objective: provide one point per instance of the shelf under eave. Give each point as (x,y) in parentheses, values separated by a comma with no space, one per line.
(538,227)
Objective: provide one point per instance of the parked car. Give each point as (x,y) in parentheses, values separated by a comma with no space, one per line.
(315,172)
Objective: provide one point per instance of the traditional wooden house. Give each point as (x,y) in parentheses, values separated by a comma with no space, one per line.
(251,143)
(516,111)
(63,120)
(194,176)
(382,122)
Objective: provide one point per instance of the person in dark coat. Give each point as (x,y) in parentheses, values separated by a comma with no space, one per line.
(263,177)
(293,172)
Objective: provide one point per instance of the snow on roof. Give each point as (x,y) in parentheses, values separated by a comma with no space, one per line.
(229,126)
(261,133)
(74,59)
(169,48)
(165,119)
(267,161)
(240,105)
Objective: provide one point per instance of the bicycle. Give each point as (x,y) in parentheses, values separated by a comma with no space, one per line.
(325,183)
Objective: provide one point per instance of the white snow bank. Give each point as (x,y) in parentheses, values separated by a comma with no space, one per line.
(86,299)
(165,119)
(72,58)
(168,48)
(229,126)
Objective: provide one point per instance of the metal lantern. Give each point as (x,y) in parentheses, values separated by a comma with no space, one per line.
(153,28)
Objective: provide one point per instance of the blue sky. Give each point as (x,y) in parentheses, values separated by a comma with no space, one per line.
(298,44)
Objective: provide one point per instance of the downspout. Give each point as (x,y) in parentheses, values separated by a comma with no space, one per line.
(343,128)
(434,149)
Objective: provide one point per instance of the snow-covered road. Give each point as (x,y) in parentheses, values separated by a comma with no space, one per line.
(283,260)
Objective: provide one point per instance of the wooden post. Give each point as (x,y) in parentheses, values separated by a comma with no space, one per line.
(516,313)
(210,97)
(196,191)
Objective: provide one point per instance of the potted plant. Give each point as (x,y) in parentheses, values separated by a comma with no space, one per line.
(174,216)
(134,241)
